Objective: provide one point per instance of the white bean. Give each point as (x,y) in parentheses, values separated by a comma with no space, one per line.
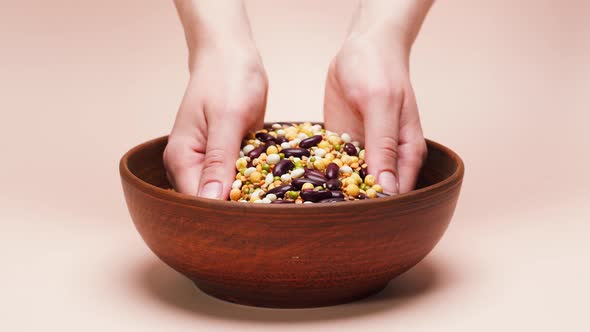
(273,159)
(249,171)
(319,152)
(269,179)
(248,148)
(237,184)
(281,132)
(345,137)
(301,136)
(276,126)
(345,169)
(285,145)
(297,173)
(286,178)
(271,197)
(256,194)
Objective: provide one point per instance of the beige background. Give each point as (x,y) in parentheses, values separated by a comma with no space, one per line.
(504,83)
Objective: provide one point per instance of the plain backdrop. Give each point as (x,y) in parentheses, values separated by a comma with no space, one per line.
(503,83)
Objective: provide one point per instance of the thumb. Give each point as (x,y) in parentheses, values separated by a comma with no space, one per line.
(381,124)
(223,145)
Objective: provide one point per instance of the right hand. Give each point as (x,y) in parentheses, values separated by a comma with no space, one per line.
(225,98)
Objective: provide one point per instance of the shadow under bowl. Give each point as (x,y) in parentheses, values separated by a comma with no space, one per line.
(294,255)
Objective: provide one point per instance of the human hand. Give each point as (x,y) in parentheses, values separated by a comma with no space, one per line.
(225,98)
(369,95)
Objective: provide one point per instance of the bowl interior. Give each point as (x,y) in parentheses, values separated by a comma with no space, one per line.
(145,162)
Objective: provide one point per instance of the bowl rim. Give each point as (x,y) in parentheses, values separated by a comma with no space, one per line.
(176,197)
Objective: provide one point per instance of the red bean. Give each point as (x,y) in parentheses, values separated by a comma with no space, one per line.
(332,171)
(311,141)
(316,178)
(295,152)
(256,152)
(283,201)
(315,195)
(280,190)
(314,172)
(332,200)
(283,167)
(281,140)
(264,136)
(334,184)
(337,194)
(350,149)
(362,174)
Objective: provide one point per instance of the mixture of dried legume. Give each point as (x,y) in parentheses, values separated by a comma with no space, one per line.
(301,163)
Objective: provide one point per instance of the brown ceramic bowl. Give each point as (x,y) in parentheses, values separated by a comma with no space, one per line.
(290,256)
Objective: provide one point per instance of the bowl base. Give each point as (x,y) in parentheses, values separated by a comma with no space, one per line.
(288,299)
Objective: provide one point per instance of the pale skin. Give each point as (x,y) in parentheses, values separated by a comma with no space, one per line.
(368,94)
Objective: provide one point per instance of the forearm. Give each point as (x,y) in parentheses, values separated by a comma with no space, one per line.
(398,19)
(211,23)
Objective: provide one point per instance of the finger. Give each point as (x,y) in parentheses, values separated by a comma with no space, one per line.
(186,180)
(381,122)
(338,115)
(412,147)
(183,166)
(411,157)
(223,146)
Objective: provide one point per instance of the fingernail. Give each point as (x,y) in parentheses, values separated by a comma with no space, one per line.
(388,181)
(211,190)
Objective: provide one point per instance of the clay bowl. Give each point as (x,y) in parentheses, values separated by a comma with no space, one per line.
(289,256)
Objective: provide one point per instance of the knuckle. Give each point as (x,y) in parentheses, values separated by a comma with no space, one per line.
(178,156)
(377,90)
(387,147)
(417,155)
(172,157)
(423,151)
(215,158)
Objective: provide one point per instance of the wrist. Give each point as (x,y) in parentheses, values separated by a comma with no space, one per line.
(394,23)
(210,24)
